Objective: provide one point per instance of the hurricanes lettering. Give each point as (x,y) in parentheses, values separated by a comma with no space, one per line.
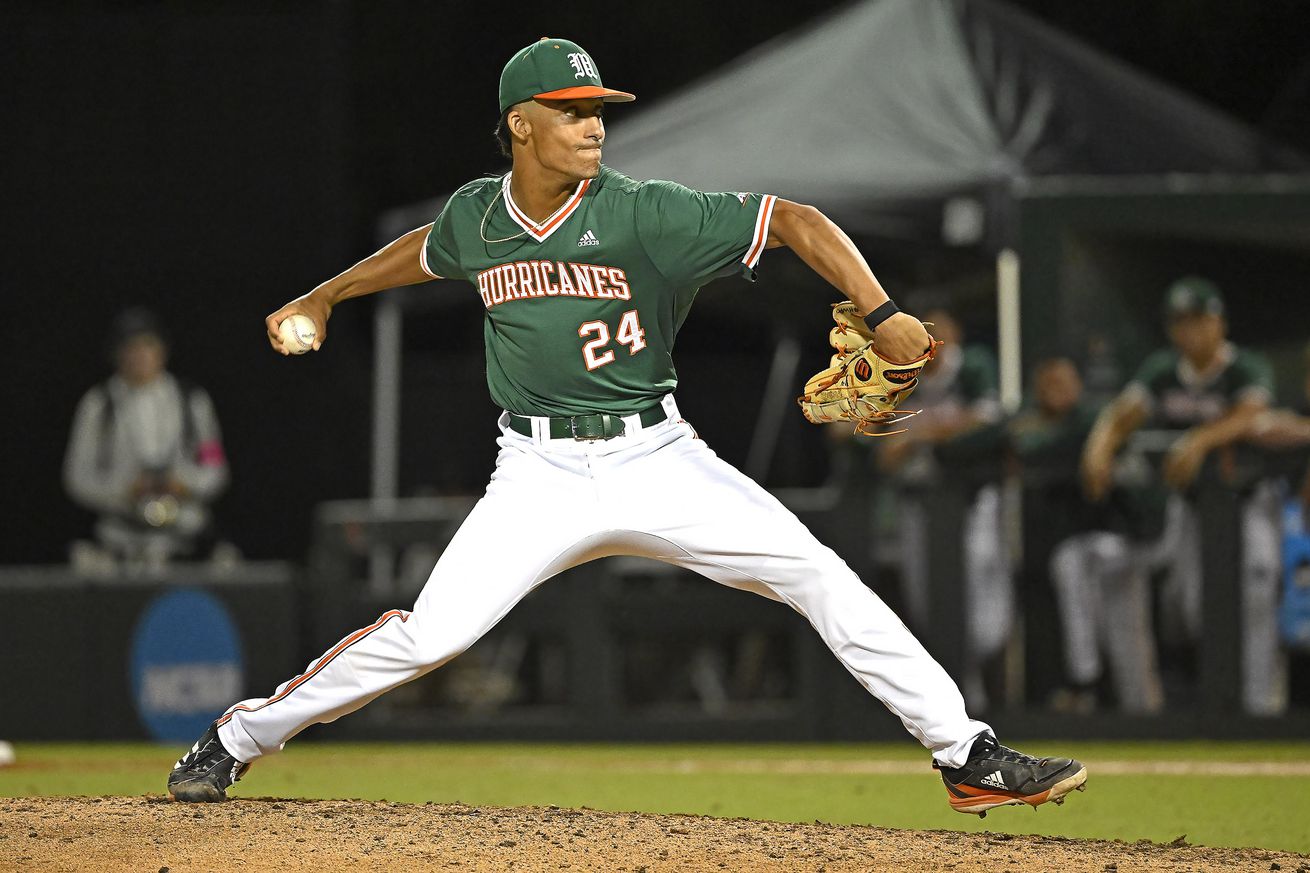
(521,280)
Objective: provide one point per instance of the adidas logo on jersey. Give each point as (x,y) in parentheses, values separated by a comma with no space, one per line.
(994,780)
(588,239)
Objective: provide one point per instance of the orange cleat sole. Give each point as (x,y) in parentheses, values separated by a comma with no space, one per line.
(979,800)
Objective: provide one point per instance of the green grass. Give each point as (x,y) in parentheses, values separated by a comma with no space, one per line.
(830,783)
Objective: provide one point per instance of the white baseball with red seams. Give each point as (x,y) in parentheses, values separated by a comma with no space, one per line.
(297,333)
(658,492)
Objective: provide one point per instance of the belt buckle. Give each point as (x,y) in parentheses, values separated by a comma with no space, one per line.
(605,420)
(573,429)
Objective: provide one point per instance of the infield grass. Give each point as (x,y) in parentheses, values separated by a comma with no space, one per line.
(1218,794)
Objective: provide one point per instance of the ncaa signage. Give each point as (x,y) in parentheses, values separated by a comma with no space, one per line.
(185,663)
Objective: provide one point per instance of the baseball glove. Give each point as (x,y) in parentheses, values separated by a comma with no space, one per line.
(860,385)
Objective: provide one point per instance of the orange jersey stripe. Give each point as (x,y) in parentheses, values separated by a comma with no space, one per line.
(541,231)
(568,208)
(320,663)
(761,231)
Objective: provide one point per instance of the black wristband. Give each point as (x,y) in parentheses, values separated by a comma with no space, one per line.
(881,314)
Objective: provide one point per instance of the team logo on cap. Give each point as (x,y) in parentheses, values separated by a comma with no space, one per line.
(585,68)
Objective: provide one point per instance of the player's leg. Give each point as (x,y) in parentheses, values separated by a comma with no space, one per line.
(1077,598)
(699,512)
(1180,549)
(1121,576)
(1264,665)
(514,539)
(988,590)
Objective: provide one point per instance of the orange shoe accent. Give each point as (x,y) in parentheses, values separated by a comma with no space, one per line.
(979,800)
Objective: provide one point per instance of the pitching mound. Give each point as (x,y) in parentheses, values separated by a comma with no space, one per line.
(264,834)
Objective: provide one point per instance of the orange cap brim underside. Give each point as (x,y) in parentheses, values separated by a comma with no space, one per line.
(609,95)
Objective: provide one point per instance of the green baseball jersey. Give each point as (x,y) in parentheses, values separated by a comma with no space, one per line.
(1178,397)
(583,308)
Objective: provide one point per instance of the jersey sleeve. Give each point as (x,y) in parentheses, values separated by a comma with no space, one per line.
(1148,382)
(690,235)
(1253,378)
(439,256)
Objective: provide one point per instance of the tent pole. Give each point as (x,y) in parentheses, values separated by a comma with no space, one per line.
(774,405)
(387,326)
(1007,321)
(1009,353)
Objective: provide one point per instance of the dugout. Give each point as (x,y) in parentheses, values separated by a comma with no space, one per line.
(1097,255)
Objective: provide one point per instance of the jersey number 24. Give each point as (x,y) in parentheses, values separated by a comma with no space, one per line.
(630,334)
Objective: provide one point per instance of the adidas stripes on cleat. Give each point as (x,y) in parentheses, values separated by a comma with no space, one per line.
(996,775)
(204,774)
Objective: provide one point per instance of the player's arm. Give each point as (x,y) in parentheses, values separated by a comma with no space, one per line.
(1125,414)
(1281,429)
(392,266)
(1187,454)
(827,250)
(204,474)
(91,483)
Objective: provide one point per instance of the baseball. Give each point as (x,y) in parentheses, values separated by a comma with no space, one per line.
(298,334)
(7,756)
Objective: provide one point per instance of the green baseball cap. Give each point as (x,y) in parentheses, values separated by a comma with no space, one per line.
(1193,295)
(553,69)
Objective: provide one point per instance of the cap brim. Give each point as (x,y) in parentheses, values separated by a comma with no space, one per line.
(609,95)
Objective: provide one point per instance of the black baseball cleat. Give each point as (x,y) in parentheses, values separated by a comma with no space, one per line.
(205,773)
(998,776)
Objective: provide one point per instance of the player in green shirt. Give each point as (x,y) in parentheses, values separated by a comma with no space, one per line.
(1097,567)
(585,277)
(1212,394)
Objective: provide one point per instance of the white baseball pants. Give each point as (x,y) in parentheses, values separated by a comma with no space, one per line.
(656,492)
(1264,664)
(1103,589)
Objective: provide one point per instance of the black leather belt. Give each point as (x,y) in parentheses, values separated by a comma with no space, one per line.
(595,426)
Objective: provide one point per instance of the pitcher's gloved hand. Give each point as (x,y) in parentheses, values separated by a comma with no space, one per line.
(860,385)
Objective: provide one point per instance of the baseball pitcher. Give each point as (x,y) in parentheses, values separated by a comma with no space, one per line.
(585,277)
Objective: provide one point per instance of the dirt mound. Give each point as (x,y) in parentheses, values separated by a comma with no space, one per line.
(265,834)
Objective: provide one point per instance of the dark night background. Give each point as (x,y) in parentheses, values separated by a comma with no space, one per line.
(212,160)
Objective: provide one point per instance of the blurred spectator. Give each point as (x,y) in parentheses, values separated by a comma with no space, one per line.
(1208,395)
(1288,430)
(1102,368)
(1100,576)
(957,393)
(145,454)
